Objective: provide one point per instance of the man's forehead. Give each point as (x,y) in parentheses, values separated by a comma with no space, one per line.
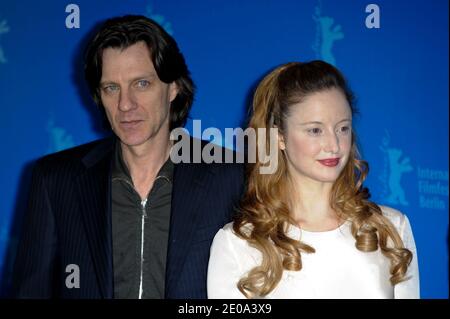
(139,49)
(131,62)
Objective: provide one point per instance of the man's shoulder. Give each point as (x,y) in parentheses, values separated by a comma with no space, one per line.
(76,155)
(227,175)
(217,159)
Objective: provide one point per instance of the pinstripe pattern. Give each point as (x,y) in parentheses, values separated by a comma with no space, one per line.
(69,222)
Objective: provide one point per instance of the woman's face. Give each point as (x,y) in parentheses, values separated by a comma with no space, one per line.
(318,137)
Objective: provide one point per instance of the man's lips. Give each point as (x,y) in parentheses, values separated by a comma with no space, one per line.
(330,162)
(130,124)
(130,121)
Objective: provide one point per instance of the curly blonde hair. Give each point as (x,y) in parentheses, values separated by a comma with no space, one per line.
(264,211)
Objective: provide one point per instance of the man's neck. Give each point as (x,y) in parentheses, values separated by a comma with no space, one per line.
(144,162)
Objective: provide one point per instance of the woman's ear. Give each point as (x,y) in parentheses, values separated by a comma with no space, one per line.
(281,142)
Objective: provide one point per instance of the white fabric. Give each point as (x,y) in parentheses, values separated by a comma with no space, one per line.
(336,270)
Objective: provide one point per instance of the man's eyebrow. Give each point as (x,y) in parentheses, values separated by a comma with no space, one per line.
(139,77)
(103,83)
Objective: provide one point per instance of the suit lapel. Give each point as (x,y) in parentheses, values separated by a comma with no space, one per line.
(189,191)
(94,193)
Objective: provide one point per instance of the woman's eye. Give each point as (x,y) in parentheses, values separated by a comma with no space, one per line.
(315,131)
(345,129)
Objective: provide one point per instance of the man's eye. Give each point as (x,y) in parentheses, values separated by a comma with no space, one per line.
(142,84)
(110,88)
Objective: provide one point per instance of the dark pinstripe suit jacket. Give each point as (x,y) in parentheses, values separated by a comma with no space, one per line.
(69,222)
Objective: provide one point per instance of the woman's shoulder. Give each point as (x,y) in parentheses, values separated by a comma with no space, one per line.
(228,230)
(396,217)
(227,233)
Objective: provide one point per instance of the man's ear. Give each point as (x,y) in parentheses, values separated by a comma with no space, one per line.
(173,91)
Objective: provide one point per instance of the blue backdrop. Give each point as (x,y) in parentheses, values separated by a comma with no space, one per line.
(395,55)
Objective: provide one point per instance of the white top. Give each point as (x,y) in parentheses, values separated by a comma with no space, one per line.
(336,270)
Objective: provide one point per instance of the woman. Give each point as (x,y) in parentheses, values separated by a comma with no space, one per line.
(308,230)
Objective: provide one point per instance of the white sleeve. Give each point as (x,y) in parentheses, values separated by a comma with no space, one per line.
(409,289)
(224,270)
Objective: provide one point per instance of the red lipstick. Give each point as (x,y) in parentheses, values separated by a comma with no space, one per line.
(330,162)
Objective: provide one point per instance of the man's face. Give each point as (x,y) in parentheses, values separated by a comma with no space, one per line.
(136,101)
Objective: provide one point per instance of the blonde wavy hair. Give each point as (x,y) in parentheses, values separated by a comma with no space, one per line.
(264,211)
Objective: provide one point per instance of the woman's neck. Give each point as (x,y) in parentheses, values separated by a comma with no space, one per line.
(311,207)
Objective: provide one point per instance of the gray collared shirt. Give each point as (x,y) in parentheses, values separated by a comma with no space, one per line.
(140,230)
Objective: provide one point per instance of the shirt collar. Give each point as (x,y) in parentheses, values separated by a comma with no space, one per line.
(120,169)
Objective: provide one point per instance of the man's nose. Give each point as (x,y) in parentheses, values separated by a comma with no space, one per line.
(126,100)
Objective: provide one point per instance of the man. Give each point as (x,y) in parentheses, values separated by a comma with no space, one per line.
(116,218)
